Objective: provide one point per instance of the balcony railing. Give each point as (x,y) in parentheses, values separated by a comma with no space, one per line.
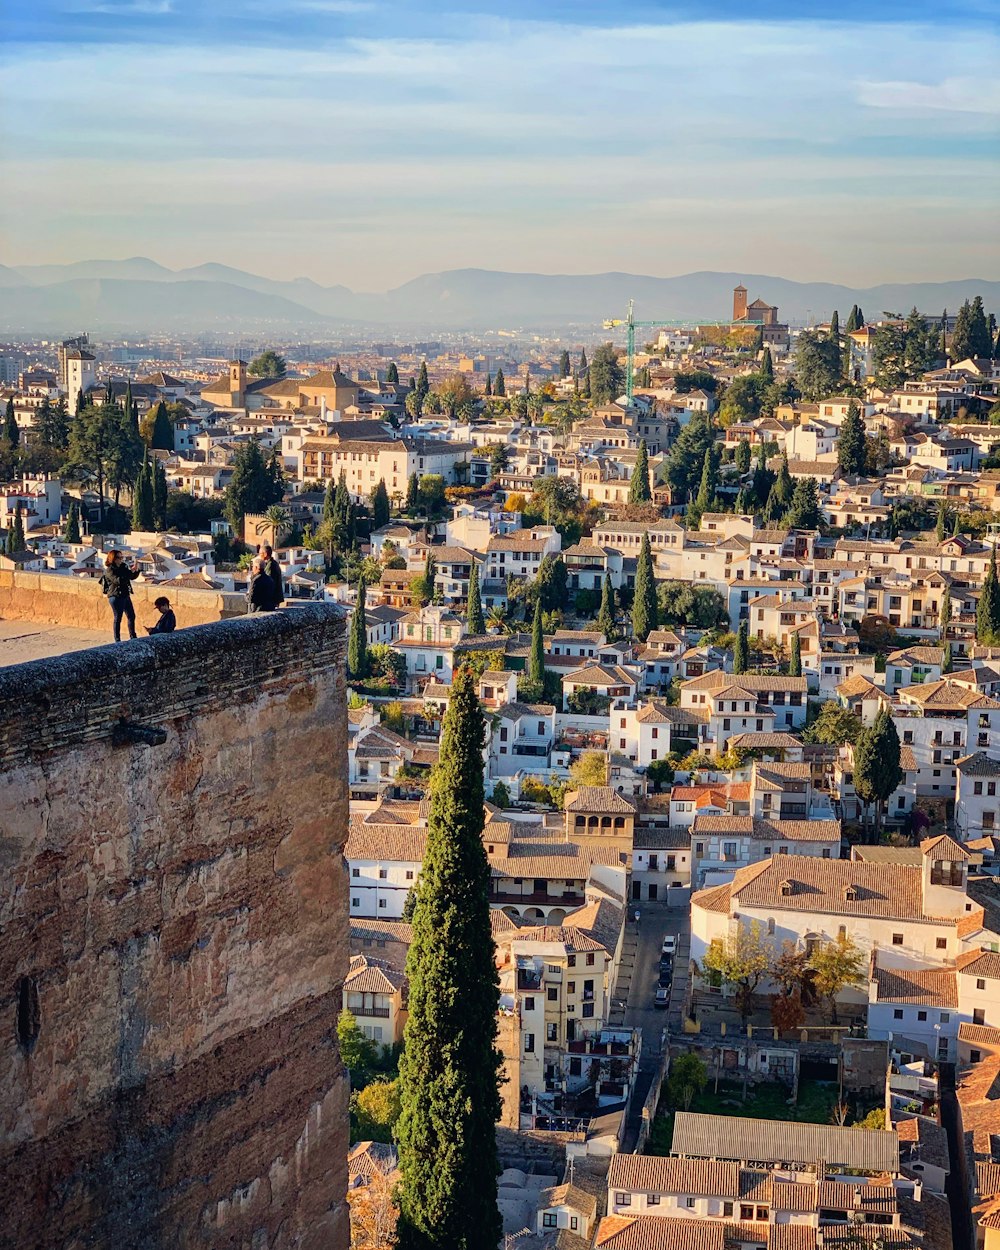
(381,1013)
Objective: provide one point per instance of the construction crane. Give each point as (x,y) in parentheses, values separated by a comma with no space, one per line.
(630,324)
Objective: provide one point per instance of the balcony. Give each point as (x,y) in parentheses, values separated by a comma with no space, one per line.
(569,898)
(380,1013)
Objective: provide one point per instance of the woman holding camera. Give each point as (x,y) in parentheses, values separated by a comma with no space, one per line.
(117,580)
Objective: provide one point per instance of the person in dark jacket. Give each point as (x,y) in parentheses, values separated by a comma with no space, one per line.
(260,589)
(167,622)
(273,570)
(116,581)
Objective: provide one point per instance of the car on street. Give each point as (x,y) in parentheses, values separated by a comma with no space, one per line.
(662,998)
(669,946)
(666,976)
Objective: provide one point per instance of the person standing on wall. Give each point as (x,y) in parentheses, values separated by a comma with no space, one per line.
(116,581)
(260,588)
(273,571)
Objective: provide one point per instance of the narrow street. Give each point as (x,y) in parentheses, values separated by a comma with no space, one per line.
(637,989)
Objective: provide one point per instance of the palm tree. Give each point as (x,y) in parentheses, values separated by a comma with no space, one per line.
(280,518)
(496,621)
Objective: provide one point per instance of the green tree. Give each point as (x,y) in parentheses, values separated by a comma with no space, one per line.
(682,603)
(432,496)
(742,456)
(499,384)
(582,365)
(946,660)
(357,1052)
(564,365)
(877,770)
(743,399)
(10,431)
(423,382)
(837,966)
(817,365)
(392,373)
(638,491)
(988,607)
(835,327)
(501,795)
(852,320)
(449,1069)
(474,616)
(902,351)
(942,521)
(591,769)
(971,337)
(767,367)
(606,616)
(688,1077)
(160,493)
(550,584)
(252,487)
(741,651)
(536,656)
(72,531)
(142,499)
(380,505)
(607,378)
(852,446)
(423,586)
(15,535)
(873,1121)
(804,511)
(833,725)
(706,490)
(795,658)
(741,959)
(357,643)
(268,364)
(413,495)
(687,456)
(157,430)
(645,605)
(375,1110)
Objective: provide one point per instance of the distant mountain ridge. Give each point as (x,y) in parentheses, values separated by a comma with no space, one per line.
(140,295)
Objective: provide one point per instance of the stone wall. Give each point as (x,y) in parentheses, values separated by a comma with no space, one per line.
(173,941)
(57,599)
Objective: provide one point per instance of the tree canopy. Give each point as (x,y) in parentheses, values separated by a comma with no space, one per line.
(269,364)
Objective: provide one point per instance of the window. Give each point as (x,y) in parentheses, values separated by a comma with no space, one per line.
(529,1004)
(355,872)
(588,1010)
(574,1222)
(945,1017)
(977,788)
(381,902)
(590,960)
(529,1043)
(689,1203)
(979,1015)
(941,944)
(980,983)
(355,902)
(552,1032)
(746,1211)
(921,1015)
(383,873)
(550,1220)
(652,1200)
(897,1014)
(897,939)
(553,995)
(409,874)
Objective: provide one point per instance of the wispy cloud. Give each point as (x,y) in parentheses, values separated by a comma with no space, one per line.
(953,95)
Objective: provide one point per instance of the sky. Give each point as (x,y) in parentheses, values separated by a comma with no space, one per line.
(364,142)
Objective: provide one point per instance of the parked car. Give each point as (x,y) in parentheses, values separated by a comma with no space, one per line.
(666,976)
(662,998)
(669,946)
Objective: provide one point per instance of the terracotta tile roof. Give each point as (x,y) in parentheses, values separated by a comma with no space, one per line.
(604,675)
(784,1141)
(979,1034)
(382,843)
(737,825)
(373,976)
(655,1174)
(944,847)
(792,1196)
(653,1232)
(761,741)
(797,830)
(858,687)
(947,694)
(791,1237)
(979,964)
(752,681)
(978,764)
(717,899)
(889,891)
(930,987)
(598,799)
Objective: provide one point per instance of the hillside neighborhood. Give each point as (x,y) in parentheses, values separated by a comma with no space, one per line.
(730,605)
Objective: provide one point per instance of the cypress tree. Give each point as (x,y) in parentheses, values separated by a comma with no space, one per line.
(489,386)
(804,512)
(852,446)
(706,488)
(741,650)
(767,367)
(742,456)
(449,1069)
(606,616)
(72,531)
(835,327)
(10,431)
(877,770)
(946,661)
(861,318)
(945,613)
(357,642)
(536,657)
(423,383)
(942,518)
(499,384)
(638,491)
(795,659)
(15,539)
(784,488)
(380,505)
(142,499)
(852,320)
(474,616)
(159,496)
(413,495)
(980,338)
(944,334)
(392,373)
(645,608)
(988,607)
(585,385)
(564,365)
(956,524)
(582,367)
(329,496)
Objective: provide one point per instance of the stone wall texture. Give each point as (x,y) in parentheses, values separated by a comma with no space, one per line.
(173,941)
(56,599)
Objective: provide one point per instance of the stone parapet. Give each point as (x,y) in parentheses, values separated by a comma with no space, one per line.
(174,938)
(59,599)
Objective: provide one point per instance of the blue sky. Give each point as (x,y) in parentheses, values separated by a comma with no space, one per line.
(365,142)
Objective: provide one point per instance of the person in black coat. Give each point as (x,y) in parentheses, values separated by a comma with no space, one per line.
(167,622)
(273,569)
(260,589)
(116,581)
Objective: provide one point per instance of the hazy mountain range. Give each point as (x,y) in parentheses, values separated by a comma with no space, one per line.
(140,296)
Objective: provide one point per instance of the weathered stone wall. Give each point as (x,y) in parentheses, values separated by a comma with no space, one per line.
(181,912)
(56,599)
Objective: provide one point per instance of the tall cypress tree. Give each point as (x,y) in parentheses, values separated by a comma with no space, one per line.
(645,608)
(988,607)
(10,431)
(159,496)
(72,530)
(449,1069)
(942,520)
(852,446)
(357,642)
(638,491)
(945,613)
(380,505)
(852,320)
(795,659)
(142,499)
(423,382)
(536,656)
(767,367)
(582,366)
(741,649)
(413,495)
(474,616)
(500,384)
(946,660)
(564,365)
(742,457)
(606,616)
(835,327)
(489,386)
(392,373)
(877,769)
(15,538)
